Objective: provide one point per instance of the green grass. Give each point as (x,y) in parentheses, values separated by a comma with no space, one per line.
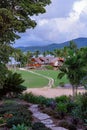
(32,80)
(53,74)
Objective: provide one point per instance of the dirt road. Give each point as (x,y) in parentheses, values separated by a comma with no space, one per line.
(52,92)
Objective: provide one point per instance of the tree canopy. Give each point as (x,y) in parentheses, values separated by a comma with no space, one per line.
(75,67)
(15,17)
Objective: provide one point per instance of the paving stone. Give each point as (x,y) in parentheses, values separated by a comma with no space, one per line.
(41,116)
(34,108)
(50,125)
(58,128)
(44,118)
(47,121)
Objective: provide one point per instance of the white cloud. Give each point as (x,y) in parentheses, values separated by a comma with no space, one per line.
(59,28)
(79,8)
(69,27)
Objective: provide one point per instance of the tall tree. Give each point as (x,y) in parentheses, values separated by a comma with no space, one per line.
(37,53)
(75,67)
(15,17)
(29,55)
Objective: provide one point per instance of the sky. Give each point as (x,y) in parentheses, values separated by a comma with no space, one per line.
(64,20)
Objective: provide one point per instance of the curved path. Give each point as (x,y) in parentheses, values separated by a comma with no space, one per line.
(44,118)
(48,91)
(51,80)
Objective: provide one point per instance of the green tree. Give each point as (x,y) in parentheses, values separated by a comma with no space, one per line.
(15,17)
(29,55)
(75,67)
(36,53)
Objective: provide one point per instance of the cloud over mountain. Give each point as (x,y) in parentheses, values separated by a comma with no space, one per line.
(64,20)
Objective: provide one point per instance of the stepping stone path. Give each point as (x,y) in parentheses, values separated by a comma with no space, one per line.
(44,118)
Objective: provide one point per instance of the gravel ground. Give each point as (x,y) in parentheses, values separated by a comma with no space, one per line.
(53,92)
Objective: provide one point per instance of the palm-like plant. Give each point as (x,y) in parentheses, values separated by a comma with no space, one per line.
(74,67)
(12,84)
(37,53)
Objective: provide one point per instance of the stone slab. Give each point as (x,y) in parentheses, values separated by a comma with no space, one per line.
(41,116)
(50,125)
(47,121)
(58,128)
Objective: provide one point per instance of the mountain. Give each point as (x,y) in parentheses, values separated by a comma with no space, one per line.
(81,42)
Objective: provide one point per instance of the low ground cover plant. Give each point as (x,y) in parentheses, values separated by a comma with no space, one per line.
(19,127)
(36,99)
(39,126)
(15,114)
(63,107)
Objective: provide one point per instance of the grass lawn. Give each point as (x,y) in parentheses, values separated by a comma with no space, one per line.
(33,80)
(53,74)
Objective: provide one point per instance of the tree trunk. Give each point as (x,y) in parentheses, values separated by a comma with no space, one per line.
(76,88)
(73,91)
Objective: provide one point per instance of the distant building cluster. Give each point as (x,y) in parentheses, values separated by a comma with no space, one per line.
(43,61)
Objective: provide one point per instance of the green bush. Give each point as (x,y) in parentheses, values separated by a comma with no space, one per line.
(80,110)
(39,126)
(3,73)
(49,67)
(20,114)
(63,99)
(19,127)
(72,127)
(12,84)
(61,109)
(36,99)
(70,106)
(64,124)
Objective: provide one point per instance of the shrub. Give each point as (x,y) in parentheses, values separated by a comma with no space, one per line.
(20,114)
(72,127)
(63,99)
(64,124)
(12,84)
(61,84)
(80,110)
(39,126)
(36,99)
(19,127)
(49,67)
(3,73)
(70,106)
(61,109)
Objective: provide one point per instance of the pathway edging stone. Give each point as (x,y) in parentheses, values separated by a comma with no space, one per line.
(44,118)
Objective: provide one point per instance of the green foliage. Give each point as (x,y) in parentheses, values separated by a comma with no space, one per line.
(2,120)
(15,17)
(12,84)
(61,107)
(3,73)
(63,99)
(74,67)
(20,114)
(67,125)
(49,67)
(19,127)
(36,99)
(64,124)
(72,127)
(70,106)
(80,110)
(39,126)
